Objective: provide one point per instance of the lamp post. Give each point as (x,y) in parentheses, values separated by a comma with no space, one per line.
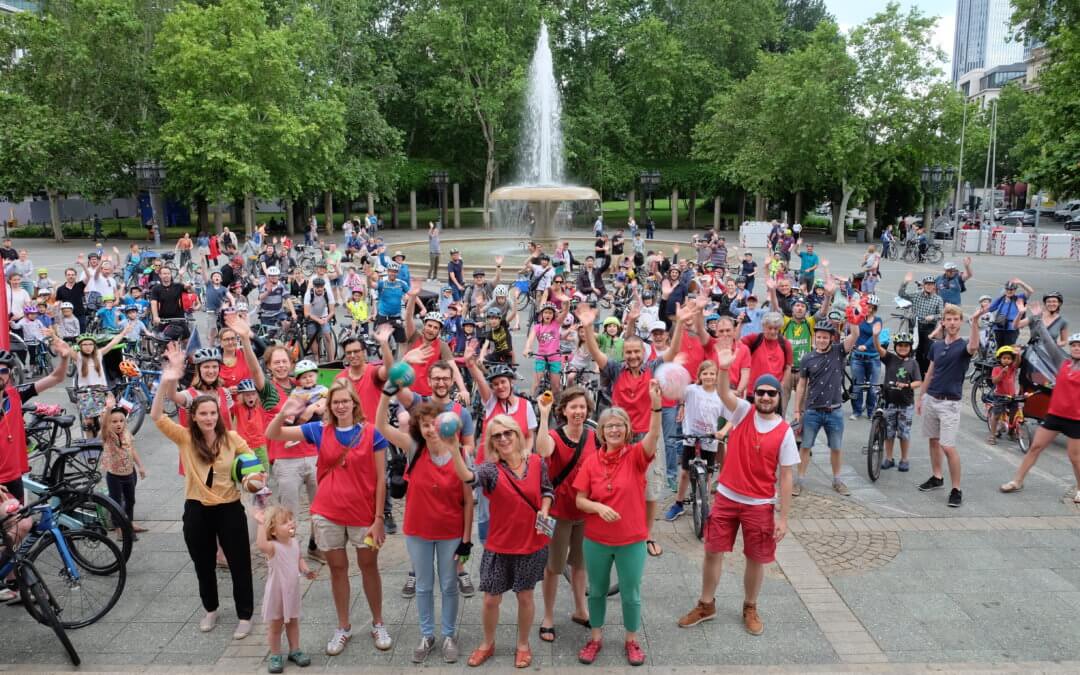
(650,180)
(935,180)
(150,175)
(440,179)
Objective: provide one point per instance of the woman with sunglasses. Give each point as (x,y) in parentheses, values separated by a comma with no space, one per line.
(517,487)
(233,366)
(610,492)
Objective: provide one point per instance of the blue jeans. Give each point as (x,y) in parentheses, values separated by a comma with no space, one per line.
(815,420)
(864,371)
(425,554)
(483,515)
(672,445)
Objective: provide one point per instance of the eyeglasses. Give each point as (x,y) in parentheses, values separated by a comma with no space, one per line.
(615,425)
(353,352)
(500,435)
(771,393)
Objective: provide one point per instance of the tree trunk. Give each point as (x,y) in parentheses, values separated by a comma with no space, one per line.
(203,210)
(693,209)
(716,202)
(839,218)
(675,209)
(760,208)
(489,176)
(290,218)
(219,217)
(742,208)
(871,219)
(631,202)
(328,211)
(798,206)
(54,215)
(249,214)
(412,209)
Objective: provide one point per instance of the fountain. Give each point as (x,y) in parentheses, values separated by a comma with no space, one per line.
(540,188)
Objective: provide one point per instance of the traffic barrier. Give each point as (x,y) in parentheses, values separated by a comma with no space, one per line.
(754,234)
(1055,246)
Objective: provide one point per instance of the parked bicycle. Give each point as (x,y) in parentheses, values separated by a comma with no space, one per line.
(875,444)
(700,476)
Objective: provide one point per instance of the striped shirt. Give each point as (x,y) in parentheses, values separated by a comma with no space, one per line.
(924,304)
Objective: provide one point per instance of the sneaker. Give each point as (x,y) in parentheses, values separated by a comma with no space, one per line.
(389,524)
(276,663)
(465,585)
(932,483)
(635,655)
(382,637)
(751,620)
(409,589)
(887,464)
(7,595)
(208,622)
(674,511)
(420,654)
(796,488)
(853,417)
(955,498)
(839,487)
(449,650)
(588,653)
(903,466)
(336,645)
(243,629)
(300,658)
(703,611)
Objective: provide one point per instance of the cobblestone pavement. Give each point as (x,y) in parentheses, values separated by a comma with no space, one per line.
(887,580)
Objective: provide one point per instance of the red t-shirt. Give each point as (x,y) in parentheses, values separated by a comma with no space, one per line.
(622,487)
(346,494)
(631,393)
(565,505)
(251,423)
(1066,392)
(435,501)
(231,375)
(692,353)
(1006,386)
(368,388)
(771,357)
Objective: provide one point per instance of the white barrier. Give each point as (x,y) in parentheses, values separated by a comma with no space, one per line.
(754,234)
(1013,243)
(971,241)
(1053,246)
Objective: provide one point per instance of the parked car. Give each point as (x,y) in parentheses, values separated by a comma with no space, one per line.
(942,228)
(1068,210)
(1025,218)
(1000,213)
(1074,222)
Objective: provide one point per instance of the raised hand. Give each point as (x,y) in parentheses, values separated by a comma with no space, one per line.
(654,393)
(586,314)
(294,405)
(498,260)
(909,277)
(683,313)
(967,261)
(383,332)
(674,249)
(173,361)
(877,329)
(724,358)
(770,283)
(418,355)
(1035,309)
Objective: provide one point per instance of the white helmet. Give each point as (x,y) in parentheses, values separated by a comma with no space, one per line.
(392,266)
(434,316)
(66,305)
(874,300)
(273,271)
(304,366)
(1075,337)
(950,266)
(501,291)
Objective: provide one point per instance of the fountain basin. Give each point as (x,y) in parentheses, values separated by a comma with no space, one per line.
(544,193)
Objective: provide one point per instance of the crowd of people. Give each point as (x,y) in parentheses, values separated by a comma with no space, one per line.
(715,354)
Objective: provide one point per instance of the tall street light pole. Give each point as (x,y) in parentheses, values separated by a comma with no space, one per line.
(150,176)
(440,180)
(650,180)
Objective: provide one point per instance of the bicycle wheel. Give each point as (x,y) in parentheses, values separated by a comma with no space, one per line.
(979,391)
(102,575)
(98,513)
(700,503)
(875,447)
(36,594)
(1024,435)
(140,405)
(308,266)
(523,301)
(604,302)
(934,255)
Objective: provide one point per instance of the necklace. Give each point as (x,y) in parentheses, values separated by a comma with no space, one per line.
(609,465)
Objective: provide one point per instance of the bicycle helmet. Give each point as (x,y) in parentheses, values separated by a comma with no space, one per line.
(799,300)
(129,308)
(318,282)
(108,298)
(950,266)
(86,337)
(612,321)
(273,271)
(500,291)
(548,305)
(66,305)
(874,300)
(392,266)
(501,370)
(1075,337)
(468,321)
(712,317)
(985,297)
(129,368)
(437,317)
(836,315)
(42,270)
(1054,294)
(740,279)
(648,295)
(1010,286)
(929,279)
(1007,349)
(30,308)
(492,312)
(819,283)
(825,325)
(245,385)
(304,366)
(902,338)
(206,355)
(8,359)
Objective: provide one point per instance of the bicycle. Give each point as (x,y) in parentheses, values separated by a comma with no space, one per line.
(543,383)
(982,387)
(875,444)
(904,316)
(47,427)
(699,475)
(1017,426)
(132,392)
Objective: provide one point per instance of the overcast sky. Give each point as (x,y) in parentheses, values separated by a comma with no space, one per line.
(849,13)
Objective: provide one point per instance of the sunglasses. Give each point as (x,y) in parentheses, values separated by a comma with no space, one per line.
(4,371)
(771,393)
(498,436)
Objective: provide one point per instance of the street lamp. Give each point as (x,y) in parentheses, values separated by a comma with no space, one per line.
(935,180)
(650,180)
(440,179)
(150,176)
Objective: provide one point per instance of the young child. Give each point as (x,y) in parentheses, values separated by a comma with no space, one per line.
(750,316)
(215,292)
(1004,376)
(47,311)
(121,461)
(359,310)
(30,325)
(68,323)
(138,328)
(90,381)
(497,343)
(281,597)
(703,412)
(902,378)
(251,419)
(189,300)
(306,373)
(610,338)
(107,314)
(545,334)
(748,269)
(43,282)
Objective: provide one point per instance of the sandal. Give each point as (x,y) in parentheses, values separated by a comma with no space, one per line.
(1076,497)
(653,548)
(480,655)
(1012,486)
(523,658)
(547,633)
(991,439)
(581,622)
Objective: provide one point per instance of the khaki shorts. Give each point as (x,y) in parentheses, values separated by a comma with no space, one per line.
(656,487)
(941,420)
(565,546)
(330,536)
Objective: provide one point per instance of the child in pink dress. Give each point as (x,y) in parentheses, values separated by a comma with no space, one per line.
(281,597)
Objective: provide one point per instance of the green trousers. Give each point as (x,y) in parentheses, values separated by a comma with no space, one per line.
(629,562)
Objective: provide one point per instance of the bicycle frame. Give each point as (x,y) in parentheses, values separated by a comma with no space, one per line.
(47,523)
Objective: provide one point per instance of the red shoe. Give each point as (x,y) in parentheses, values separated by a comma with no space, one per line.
(635,656)
(588,653)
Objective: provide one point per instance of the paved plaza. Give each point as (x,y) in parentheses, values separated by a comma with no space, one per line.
(886,580)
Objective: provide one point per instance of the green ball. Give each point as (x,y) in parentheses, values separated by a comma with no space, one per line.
(246,464)
(401,374)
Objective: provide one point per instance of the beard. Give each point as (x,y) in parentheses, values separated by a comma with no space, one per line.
(766,406)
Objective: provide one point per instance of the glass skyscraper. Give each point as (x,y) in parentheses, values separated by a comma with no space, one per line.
(982,37)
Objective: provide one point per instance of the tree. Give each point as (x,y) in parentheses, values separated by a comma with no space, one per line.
(799,18)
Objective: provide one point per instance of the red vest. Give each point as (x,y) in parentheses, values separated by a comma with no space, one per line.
(1066,392)
(435,502)
(512,529)
(276,450)
(346,494)
(520,415)
(231,375)
(752,459)
(13,461)
(420,384)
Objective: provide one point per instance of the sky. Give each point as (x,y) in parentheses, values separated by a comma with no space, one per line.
(850,13)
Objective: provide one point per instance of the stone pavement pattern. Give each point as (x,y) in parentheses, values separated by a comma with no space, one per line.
(887,580)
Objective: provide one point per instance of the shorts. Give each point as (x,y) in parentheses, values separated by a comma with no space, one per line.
(815,420)
(689,452)
(725,519)
(941,420)
(312,329)
(330,536)
(554,367)
(335,282)
(998,406)
(1069,427)
(565,546)
(655,478)
(898,421)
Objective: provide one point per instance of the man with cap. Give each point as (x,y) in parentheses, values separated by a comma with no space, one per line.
(429,337)
(403,270)
(455,272)
(952,282)
(1006,310)
(318,310)
(759,444)
(274,301)
(819,399)
(927,306)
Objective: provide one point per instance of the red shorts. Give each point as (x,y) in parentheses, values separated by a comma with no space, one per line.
(725,519)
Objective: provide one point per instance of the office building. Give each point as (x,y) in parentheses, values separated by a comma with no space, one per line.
(983,37)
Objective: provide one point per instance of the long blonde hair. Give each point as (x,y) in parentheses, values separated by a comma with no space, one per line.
(85,359)
(497,424)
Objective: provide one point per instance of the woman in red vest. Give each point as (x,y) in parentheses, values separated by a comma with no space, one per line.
(207,382)
(610,490)
(234,366)
(347,509)
(565,450)
(517,487)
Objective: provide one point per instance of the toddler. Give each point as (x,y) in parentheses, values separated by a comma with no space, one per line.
(121,460)
(307,384)
(281,597)
(68,323)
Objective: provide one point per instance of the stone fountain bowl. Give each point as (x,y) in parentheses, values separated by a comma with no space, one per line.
(544,193)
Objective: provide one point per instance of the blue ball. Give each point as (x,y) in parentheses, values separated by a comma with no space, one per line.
(449,424)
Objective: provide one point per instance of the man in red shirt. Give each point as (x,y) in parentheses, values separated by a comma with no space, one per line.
(760,442)
(367,378)
(770,352)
